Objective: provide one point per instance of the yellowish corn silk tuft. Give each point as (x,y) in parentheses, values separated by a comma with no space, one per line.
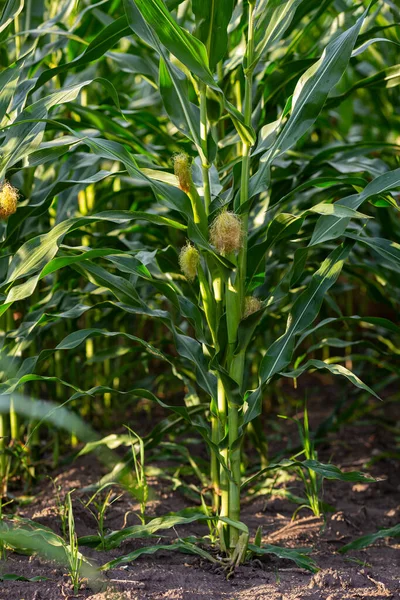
(226,233)
(8,200)
(251,305)
(189,260)
(182,170)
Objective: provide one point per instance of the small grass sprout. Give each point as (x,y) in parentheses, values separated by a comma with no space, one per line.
(102,503)
(75,559)
(140,489)
(62,508)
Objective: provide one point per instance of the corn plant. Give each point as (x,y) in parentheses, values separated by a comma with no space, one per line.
(244,212)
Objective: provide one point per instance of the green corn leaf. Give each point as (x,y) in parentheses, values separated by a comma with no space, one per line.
(12,9)
(73,340)
(328,228)
(106,39)
(180,546)
(334,473)
(334,369)
(116,538)
(325,182)
(333,343)
(367,540)
(376,321)
(247,328)
(8,81)
(129,63)
(26,133)
(175,94)
(212,17)
(31,537)
(290,277)
(283,226)
(337,210)
(272,20)
(386,78)
(187,347)
(14,577)
(182,44)
(309,97)
(36,254)
(191,349)
(111,441)
(298,556)
(122,289)
(304,311)
(326,471)
(172,196)
(385,248)
(58,416)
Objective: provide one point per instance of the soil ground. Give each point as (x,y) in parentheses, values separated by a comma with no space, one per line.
(371,574)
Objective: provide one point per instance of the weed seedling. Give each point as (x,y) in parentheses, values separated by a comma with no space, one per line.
(62,508)
(74,557)
(140,489)
(101,504)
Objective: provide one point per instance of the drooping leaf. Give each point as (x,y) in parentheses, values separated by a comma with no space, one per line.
(327,471)
(115,539)
(328,228)
(369,539)
(298,556)
(335,369)
(26,133)
(385,248)
(106,39)
(180,546)
(29,536)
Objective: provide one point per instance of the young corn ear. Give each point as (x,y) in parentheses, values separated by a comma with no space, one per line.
(251,305)
(226,233)
(189,260)
(8,200)
(183,171)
